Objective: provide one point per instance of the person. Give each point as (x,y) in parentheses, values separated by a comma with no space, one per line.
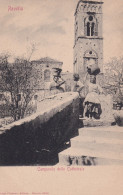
(77,87)
(58,81)
(92,105)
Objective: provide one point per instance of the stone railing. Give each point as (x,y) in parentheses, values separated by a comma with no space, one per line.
(38,139)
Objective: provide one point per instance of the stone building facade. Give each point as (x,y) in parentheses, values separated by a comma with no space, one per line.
(44,68)
(88,45)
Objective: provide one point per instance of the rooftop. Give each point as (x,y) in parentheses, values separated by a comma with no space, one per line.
(98,1)
(88,1)
(47,60)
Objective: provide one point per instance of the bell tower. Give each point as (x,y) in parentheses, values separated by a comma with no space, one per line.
(88,42)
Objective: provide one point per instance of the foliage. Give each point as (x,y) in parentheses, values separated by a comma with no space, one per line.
(114,71)
(114,77)
(19,80)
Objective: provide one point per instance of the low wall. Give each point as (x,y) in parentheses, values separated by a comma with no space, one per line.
(38,139)
(107,108)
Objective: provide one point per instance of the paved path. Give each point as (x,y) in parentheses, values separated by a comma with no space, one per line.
(95,146)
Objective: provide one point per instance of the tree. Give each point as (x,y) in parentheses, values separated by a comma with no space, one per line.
(19,80)
(114,77)
(114,71)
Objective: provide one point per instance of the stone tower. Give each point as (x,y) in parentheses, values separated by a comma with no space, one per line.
(88,45)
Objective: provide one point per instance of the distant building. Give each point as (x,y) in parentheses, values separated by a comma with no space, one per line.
(88,46)
(44,70)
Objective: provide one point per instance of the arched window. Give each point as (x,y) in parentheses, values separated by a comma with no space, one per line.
(91,26)
(88,28)
(92,29)
(90,59)
(47,75)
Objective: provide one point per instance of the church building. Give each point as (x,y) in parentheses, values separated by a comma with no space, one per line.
(44,71)
(88,44)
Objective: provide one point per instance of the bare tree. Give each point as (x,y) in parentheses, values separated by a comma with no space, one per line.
(114,77)
(19,80)
(114,71)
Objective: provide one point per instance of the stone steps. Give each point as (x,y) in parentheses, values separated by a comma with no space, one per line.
(95,146)
(97,123)
(105,132)
(75,156)
(98,144)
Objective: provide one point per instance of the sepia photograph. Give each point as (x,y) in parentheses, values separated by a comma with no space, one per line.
(61,86)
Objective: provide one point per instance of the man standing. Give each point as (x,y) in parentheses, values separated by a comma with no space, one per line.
(77,87)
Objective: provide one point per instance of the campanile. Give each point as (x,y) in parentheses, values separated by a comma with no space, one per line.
(88,42)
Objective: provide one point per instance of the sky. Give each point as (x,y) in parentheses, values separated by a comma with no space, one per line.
(49,24)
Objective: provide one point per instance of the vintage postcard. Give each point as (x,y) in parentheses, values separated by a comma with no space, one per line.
(61,97)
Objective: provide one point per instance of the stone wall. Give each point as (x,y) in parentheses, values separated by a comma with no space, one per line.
(88,47)
(38,139)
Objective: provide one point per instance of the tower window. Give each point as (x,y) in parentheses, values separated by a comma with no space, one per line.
(88,29)
(90,18)
(91,26)
(92,29)
(90,59)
